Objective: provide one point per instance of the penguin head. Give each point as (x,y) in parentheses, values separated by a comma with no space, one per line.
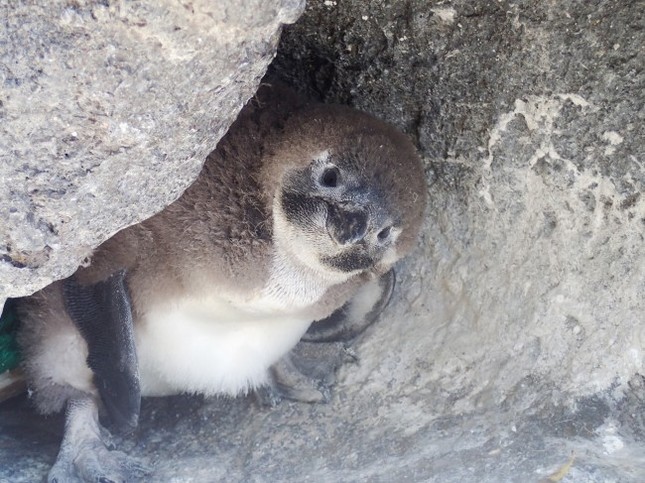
(350,192)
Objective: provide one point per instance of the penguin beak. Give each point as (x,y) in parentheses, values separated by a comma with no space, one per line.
(346,227)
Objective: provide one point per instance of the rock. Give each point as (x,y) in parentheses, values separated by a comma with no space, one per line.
(107,111)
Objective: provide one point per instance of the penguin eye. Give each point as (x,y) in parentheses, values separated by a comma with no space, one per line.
(330,177)
(384,234)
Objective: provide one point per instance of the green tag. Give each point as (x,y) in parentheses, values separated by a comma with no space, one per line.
(9,356)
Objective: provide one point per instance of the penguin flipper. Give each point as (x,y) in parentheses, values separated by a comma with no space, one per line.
(86,454)
(349,321)
(102,313)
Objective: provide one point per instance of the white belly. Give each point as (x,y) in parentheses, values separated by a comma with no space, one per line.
(212,347)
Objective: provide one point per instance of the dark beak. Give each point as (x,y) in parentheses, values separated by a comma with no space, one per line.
(346,226)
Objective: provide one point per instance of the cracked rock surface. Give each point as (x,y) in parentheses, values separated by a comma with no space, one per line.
(107,112)
(513,349)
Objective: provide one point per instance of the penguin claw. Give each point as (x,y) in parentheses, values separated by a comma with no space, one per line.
(268,397)
(92,462)
(350,356)
(85,453)
(272,396)
(288,382)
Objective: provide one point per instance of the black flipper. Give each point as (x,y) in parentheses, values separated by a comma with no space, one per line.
(356,315)
(103,315)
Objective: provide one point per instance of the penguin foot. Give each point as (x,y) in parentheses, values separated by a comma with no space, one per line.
(306,374)
(85,453)
(288,382)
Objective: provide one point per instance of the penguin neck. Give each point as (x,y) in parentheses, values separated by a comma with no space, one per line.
(294,284)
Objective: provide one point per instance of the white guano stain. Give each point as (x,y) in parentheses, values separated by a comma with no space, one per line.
(614,139)
(539,114)
(446,14)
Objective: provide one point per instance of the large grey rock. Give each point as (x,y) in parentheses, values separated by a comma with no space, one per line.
(107,111)
(513,350)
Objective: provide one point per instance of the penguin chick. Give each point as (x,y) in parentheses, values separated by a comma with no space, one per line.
(298,207)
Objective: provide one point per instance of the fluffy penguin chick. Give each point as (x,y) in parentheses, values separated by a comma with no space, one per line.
(299,207)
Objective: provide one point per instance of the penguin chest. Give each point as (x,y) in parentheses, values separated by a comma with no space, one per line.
(213,346)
